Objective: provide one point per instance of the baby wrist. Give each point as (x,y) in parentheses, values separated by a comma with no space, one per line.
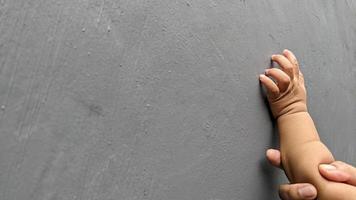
(298,107)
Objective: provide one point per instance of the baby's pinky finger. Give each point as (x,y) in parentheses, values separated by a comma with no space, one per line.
(272,88)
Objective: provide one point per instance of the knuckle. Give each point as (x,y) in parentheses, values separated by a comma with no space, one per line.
(283,192)
(274,91)
(289,67)
(339,162)
(285,80)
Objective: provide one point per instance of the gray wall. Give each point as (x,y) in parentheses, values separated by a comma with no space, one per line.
(160,100)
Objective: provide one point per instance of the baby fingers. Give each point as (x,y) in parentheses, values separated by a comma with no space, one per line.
(284,64)
(291,57)
(271,87)
(281,77)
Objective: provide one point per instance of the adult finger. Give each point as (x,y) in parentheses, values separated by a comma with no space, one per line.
(274,157)
(339,171)
(293,59)
(272,88)
(281,77)
(299,191)
(284,64)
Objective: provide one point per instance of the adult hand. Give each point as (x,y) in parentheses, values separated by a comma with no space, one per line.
(337,171)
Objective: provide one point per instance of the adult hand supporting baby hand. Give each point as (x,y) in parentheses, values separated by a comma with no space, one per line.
(336,171)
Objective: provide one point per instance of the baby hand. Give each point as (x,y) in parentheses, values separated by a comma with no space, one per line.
(287,94)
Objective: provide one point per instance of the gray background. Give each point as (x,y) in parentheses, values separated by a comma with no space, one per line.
(160,100)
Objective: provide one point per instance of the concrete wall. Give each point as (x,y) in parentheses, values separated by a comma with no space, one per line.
(160,100)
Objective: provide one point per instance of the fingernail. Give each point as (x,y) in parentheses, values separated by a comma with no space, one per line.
(261,76)
(269,152)
(306,192)
(266,71)
(285,51)
(327,167)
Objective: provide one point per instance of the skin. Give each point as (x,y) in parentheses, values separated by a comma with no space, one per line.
(301,150)
(337,171)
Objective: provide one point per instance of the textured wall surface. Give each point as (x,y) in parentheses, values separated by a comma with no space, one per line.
(160,100)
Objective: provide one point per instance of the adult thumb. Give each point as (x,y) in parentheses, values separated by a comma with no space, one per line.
(339,172)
